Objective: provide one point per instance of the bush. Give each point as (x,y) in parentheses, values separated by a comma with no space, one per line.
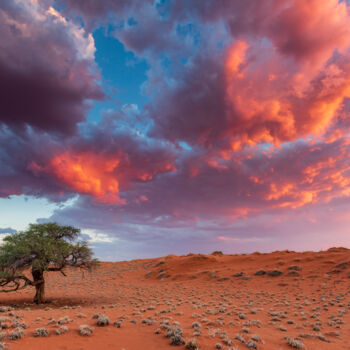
(63,320)
(295,343)
(192,344)
(102,321)
(173,332)
(16,334)
(217,252)
(41,332)
(274,273)
(61,330)
(85,330)
(260,273)
(177,340)
(252,344)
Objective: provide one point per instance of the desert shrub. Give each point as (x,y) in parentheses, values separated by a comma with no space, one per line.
(294,267)
(260,273)
(147,321)
(238,274)
(256,338)
(102,321)
(295,343)
(85,330)
(177,339)
(170,332)
(63,320)
(41,332)
(252,344)
(240,338)
(61,330)
(274,273)
(217,253)
(117,324)
(196,325)
(192,344)
(16,334)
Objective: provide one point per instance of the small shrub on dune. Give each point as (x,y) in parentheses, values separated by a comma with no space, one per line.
(217,253)
(41,332)
(260,273)
(175,335)
(61,330)
(173,331)
(294,268)
(252,344)
(63,320)
(256,338)
(177,340)
(192,344)
(16,334)
(117,324)
(196,325)
(295,343)
(274,273)
(102,321)
(85,330)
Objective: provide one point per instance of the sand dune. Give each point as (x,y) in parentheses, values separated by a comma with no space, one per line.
(264,301)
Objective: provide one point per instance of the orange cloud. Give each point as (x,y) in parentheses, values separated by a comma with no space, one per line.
(235,58)
(89,173)
(267,104)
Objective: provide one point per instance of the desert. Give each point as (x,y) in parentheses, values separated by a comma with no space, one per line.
(278,300)
(174,174)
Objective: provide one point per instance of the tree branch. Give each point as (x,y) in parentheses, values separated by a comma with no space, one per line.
(13,283)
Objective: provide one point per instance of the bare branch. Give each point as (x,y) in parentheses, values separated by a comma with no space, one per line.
(14,283)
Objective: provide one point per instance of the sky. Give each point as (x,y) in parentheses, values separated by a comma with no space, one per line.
(169,127)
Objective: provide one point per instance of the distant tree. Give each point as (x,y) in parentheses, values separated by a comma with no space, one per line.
(42,248)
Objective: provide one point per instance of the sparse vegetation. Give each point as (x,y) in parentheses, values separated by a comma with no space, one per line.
(41,332)
(85,330)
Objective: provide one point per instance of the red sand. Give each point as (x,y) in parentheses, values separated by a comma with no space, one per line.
(195,288)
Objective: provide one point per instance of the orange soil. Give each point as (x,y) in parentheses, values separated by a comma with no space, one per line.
(195,288)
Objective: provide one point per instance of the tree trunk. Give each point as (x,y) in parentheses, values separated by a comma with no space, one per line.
(39,282)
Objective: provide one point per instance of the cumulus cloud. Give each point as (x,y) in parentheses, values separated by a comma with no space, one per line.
(47,69)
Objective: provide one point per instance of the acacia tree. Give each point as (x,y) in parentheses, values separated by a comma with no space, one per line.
(42,248)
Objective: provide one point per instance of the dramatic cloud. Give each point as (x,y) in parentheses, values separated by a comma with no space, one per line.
(244,138)
(261,88)
(47,69)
